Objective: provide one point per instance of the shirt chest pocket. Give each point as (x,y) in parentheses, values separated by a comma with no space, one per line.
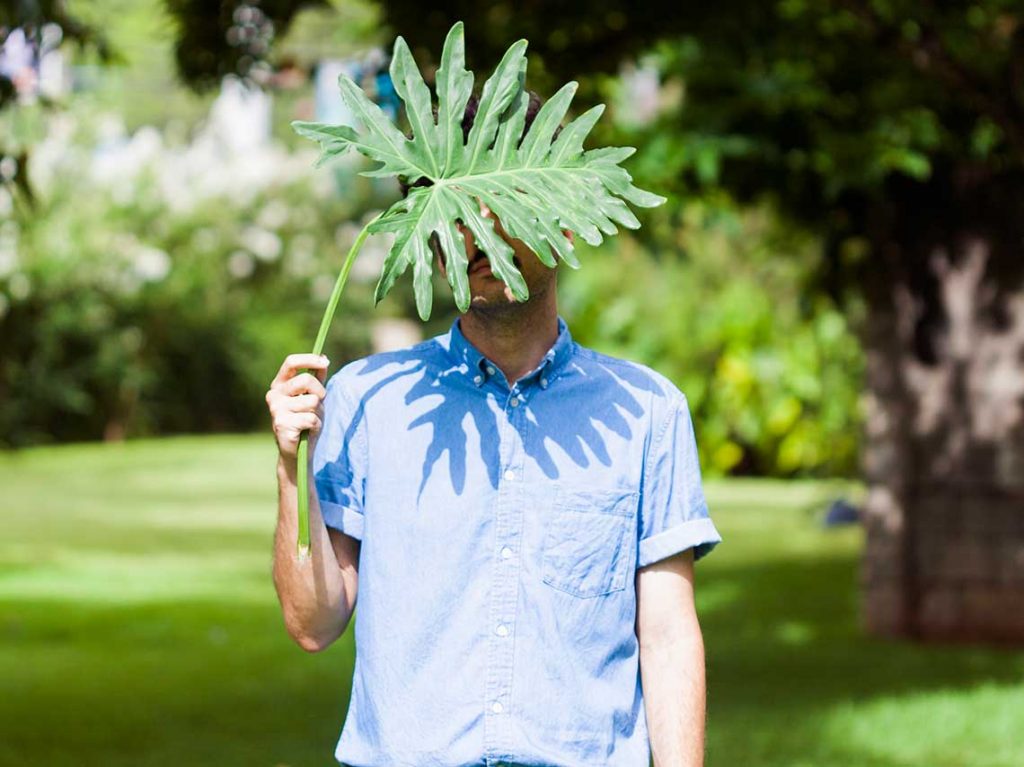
(589,541)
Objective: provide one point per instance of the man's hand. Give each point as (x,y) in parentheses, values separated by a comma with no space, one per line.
(296,402)
(318,594)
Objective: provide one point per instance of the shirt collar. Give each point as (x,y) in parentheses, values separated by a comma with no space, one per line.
(478,368)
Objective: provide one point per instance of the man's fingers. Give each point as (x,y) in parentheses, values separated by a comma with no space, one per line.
(296,400)
(294,362)
(283,406)
(288,429)
(302,383)
(305,421)
(302,403)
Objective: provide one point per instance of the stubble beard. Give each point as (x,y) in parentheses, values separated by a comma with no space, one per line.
(504,312)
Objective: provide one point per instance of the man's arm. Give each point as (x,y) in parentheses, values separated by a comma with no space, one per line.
(318,593)
(671,661)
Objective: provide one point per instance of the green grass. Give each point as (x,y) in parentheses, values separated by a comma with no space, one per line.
(138,626)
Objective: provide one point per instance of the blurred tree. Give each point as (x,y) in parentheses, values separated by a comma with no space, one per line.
(36,25)
(213,40)
(895,129)
(230,37)
(32,17)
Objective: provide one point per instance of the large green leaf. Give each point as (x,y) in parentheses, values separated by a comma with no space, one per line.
(537,188)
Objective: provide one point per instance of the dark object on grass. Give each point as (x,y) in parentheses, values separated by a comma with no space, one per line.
(841,512)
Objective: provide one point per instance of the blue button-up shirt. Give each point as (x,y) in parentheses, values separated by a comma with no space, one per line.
(502,523)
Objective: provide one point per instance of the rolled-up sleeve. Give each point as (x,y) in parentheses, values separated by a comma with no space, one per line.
(673,514)
(339,461)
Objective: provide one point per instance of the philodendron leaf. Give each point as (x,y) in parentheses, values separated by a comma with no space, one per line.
(537,188)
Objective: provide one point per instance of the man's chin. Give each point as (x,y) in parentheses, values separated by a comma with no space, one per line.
(495,296)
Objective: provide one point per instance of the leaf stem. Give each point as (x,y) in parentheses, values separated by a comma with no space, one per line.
(303,451)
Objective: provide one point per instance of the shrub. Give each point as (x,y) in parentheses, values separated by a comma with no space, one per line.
(156,288)
(772,371)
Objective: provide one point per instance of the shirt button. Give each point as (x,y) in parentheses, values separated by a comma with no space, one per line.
(477,380)
(496,707)
(490,370)
(502,630)
(514,402)
(510,475)
(543,383)
(506,552)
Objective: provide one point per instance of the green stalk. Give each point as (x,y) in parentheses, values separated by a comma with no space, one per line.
(321,337)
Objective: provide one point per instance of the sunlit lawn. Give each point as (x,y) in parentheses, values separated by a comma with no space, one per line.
(138,626)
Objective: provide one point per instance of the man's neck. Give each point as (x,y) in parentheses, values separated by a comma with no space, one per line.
(515,339)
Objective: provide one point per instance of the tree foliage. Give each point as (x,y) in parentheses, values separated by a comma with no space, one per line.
(32,16)
(230,37)
(832,108)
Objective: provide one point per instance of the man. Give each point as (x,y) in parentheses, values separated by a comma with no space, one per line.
(519,516)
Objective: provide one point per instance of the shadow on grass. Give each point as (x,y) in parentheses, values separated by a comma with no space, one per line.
(174,679)
(785,652)
(190,682)
(206,683)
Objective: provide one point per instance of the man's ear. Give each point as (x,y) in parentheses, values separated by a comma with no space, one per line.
(439,260)
(571,238)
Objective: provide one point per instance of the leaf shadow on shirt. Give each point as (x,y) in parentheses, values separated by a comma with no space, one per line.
(581,404)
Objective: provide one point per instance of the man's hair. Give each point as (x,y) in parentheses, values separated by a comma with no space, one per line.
(533,106)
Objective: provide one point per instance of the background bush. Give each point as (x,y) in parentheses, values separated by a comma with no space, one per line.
(156,288)
(158,283)
(771,370)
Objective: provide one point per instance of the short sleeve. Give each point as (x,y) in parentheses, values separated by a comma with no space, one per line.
(339,461)
(673,512)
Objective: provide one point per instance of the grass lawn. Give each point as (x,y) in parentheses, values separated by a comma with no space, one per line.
(139,626)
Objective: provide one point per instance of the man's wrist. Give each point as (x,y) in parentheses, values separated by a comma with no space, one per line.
(287,469)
